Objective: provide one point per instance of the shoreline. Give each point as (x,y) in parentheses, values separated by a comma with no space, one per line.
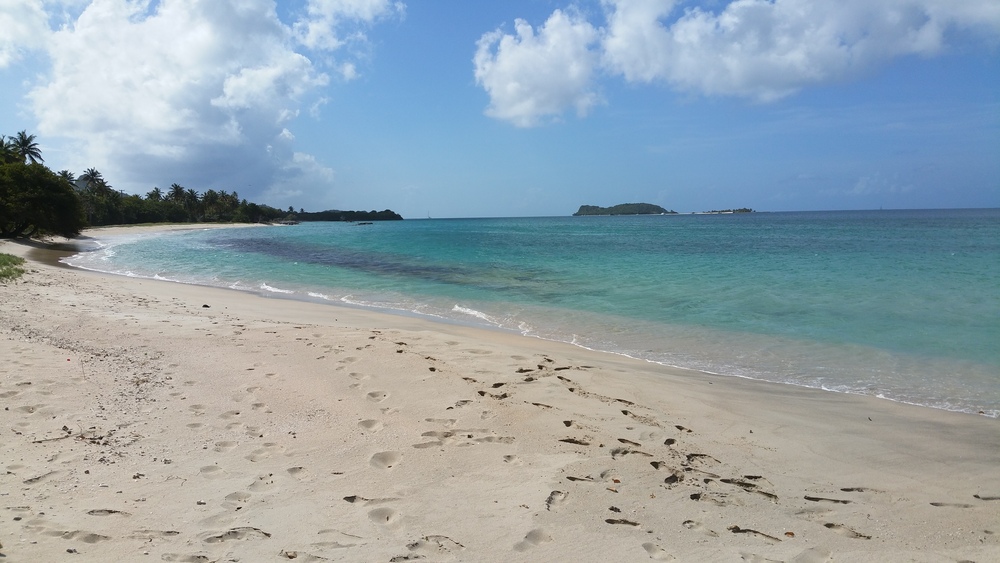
(185,421)
(900,395)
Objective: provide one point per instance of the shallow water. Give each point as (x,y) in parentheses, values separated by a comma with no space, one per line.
(899,304)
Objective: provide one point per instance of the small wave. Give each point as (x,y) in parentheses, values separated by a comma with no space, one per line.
(266,287)
(319,296)
(474,313)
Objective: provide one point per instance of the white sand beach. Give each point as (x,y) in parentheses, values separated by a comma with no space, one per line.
(154,421)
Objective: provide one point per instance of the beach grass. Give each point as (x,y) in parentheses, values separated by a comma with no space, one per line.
(10,267)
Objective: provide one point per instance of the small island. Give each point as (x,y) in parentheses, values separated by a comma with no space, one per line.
(337,215)
(624,209)
(727,211)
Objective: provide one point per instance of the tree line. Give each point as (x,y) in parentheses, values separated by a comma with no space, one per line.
(35,201)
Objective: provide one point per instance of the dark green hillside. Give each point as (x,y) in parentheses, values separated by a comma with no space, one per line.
(623,209)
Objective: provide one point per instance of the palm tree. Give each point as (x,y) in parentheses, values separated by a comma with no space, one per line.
(68,176)
(191,200)
(155,195)
(91,177)
(176,193)
(8,155)
(26,146)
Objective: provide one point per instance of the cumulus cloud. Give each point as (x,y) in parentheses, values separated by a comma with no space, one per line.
(322,28)
(531,77)
(761,50)
(197,91)
(766,50)
(25,26)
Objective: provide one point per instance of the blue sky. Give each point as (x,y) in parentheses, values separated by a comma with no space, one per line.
(453,108)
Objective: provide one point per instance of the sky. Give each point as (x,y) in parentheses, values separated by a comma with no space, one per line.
(453,108)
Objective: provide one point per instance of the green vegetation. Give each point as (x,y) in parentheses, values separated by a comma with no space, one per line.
(10,267)
(34,201)
(623,209)
(334,215)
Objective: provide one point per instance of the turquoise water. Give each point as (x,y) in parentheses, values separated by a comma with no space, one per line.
(903,305)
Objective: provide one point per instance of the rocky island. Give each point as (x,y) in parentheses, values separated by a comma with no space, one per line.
(623,209)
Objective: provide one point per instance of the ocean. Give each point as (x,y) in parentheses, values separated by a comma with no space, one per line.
(903,305)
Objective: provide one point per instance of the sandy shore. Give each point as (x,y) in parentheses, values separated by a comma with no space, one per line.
(146,420)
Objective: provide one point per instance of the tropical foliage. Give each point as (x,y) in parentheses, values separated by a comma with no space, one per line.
(20,148)
(36,201)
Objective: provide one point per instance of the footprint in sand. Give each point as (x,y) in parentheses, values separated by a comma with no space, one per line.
(224,446)
(377,396)
(384,516)
(513,460)
(435,547)
(242,533)
(446,422)
(556,498)
(264,452)
(212,472)
(262,483)
(699,527)
(298,472)
(237,499)
(656,553)
(85,537)
(535,537)
(846,532)
(371,425)
(29,409)
(150,535)
(718,499)
(239,496)
(386,460)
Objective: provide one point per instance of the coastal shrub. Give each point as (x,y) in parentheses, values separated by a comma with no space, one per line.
(10,267)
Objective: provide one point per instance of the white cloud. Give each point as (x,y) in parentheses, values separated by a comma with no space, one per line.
(766,50)
(195,91)
(532,77)
(25,27)
(762,50)
(321,29)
